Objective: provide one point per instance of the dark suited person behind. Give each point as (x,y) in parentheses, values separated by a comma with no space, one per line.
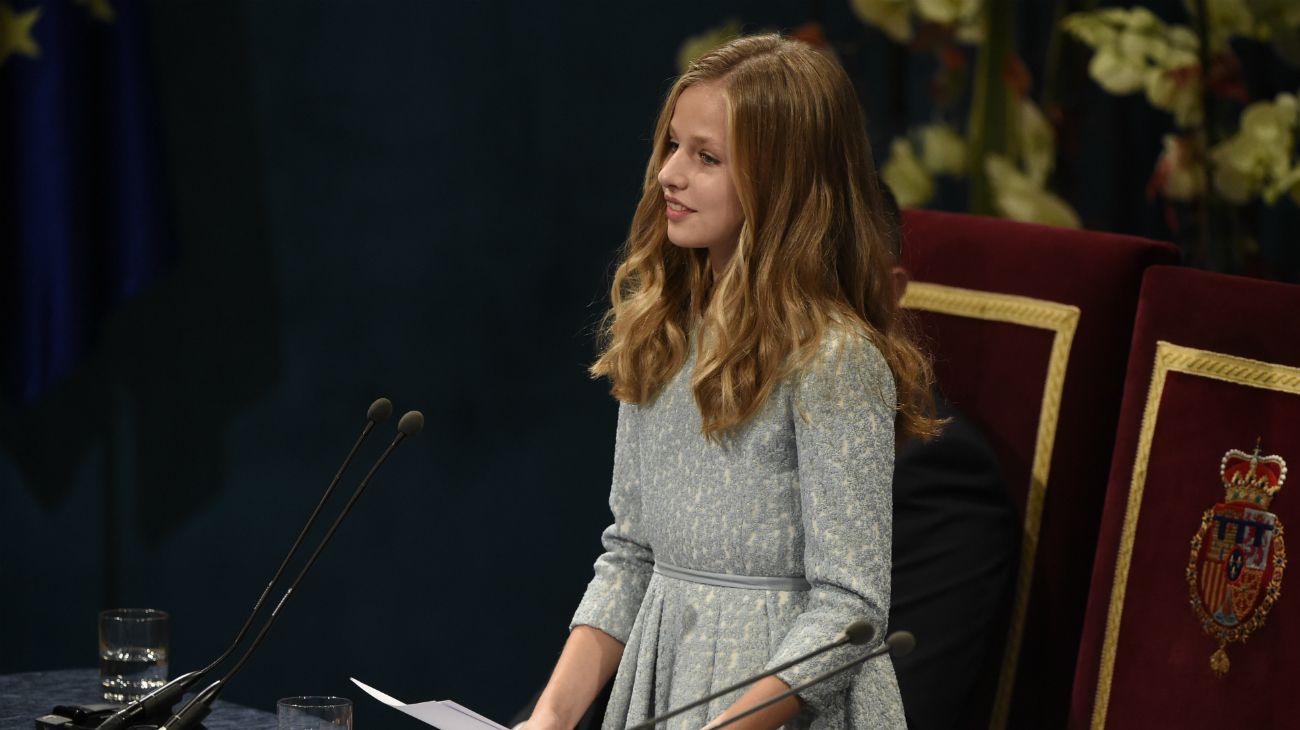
(956,537)
(955,543)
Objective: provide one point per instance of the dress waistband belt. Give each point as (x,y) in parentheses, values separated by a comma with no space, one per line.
(727,580)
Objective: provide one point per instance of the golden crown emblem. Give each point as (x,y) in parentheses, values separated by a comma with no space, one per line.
(1252,478)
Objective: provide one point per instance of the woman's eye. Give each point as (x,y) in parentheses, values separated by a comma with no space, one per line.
(671,146)
(708,159)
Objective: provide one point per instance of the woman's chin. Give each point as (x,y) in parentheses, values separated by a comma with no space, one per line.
(686,243)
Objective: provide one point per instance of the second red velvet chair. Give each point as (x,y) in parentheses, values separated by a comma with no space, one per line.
(1189,623)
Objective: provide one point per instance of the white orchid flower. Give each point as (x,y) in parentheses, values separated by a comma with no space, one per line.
(912,184)
(1179,175)
(1018,198)
(1037,143)
(894,17)
(1256,161)
(943,151)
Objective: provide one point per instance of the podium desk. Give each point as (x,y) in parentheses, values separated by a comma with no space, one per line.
(29,695)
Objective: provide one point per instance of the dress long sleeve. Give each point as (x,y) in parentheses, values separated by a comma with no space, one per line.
(623,571)
(844,407)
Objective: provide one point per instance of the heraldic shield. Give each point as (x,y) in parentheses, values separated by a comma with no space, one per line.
(1238,554)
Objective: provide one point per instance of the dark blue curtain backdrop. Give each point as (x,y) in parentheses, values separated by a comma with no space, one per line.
(412,199)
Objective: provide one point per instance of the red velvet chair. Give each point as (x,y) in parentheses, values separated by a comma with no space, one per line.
(1029,327)
(1192,552)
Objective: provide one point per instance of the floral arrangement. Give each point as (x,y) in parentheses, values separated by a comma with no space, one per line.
(1135,51)
(1225,151)
(1010,178)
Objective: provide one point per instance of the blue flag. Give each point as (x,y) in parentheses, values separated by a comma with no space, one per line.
(83,222)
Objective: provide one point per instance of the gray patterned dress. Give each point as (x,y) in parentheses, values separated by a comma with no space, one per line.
(802,489)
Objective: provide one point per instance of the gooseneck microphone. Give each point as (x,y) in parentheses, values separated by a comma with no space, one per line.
(161,700)
(898,645)
(198,707)
(856,633)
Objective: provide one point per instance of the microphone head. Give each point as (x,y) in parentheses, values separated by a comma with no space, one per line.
(859,632)
(411,423)
(379,411)
(901,643)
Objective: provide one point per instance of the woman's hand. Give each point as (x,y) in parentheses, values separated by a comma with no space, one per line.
(767,718)
(541,720)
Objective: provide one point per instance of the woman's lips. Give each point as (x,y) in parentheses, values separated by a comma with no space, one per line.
(675,210)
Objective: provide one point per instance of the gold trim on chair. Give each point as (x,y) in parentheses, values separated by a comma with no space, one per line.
(1061,320)
(1169,358)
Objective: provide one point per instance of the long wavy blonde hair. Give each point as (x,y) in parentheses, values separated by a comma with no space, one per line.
(813,248)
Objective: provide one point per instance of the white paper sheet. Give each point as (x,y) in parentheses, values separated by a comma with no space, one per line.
(444,715)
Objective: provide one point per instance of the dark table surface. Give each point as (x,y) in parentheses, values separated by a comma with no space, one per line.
(25,697)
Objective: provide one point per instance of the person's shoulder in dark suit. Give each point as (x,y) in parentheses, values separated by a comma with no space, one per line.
(956,537)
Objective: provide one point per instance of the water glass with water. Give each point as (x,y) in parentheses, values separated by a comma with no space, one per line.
(133,645)
(314,713)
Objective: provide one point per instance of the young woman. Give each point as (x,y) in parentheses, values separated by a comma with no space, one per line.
(763,383)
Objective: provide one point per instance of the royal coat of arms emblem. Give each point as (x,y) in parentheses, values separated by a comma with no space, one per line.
(1238,554)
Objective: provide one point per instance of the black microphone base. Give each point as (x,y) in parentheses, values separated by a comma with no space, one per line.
(56,722)
(89,717)
(151,726)
(87,721)
(73,717)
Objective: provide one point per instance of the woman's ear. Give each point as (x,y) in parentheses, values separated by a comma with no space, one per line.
(899,277)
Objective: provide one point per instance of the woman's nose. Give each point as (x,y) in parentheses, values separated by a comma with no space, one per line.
(670,175)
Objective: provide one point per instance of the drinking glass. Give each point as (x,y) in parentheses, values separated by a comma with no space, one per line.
(133,645)
(314,713)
